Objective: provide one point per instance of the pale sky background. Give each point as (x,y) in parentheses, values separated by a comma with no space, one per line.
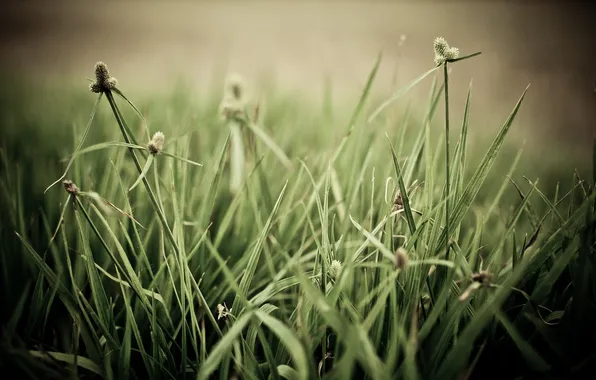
(299,45)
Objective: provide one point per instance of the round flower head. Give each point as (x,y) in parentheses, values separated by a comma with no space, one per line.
(441,46)
(157,142)
(452,53)
(111,83)
(335,269)
(443,52)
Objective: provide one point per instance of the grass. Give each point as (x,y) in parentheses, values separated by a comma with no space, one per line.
(158,267)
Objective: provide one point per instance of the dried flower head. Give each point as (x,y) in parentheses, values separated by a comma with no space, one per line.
(222,311)
(335,269)
(401,258)
(157,142)
(103,80)
(443,52)
(398,202)
(70,187)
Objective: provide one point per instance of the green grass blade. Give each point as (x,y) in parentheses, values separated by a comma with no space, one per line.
(398,94)
(79,145)
(290,341)
(144,172)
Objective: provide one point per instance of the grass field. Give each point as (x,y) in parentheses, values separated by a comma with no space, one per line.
(281,241)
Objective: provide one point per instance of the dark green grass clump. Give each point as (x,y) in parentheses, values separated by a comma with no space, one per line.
(245,245)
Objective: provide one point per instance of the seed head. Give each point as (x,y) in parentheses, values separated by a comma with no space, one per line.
(335,269)
(401,258)
(443,52)
(452,53)
(157,142)
(441,46)
(222,311)
(70,187)
(103,80)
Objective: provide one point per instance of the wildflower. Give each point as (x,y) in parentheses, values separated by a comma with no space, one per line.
(70,187)
(157,142)
(335,269)
(103,81)
(401,258)
(443,52)
(222,311)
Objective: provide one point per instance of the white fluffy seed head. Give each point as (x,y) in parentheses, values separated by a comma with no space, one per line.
(452,53)
(157,142)
(443,52)
(441,46)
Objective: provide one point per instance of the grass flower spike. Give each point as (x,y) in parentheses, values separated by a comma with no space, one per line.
(335,269)
(156,144)
(443,52)
(103,81)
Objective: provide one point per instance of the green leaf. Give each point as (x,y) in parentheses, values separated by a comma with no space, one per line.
(80,144)
(144,172)
(398,94)
(80,361)
(291,342)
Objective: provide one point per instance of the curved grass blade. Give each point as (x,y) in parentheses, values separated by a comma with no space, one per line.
(396,95)
(80,144)
(144,172)
(223,346)
(180,158)
(131,104)
(281,155)
(289,340)
(80,361)
(106,145)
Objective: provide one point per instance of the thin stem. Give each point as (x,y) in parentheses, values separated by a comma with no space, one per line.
(447,185)
(160,214)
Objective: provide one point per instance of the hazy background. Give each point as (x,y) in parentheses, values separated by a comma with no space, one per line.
(301,46)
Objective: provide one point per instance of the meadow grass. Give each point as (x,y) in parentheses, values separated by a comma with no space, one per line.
(318,248)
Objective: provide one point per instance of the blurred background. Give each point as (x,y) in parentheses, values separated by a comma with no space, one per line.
(308,46)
